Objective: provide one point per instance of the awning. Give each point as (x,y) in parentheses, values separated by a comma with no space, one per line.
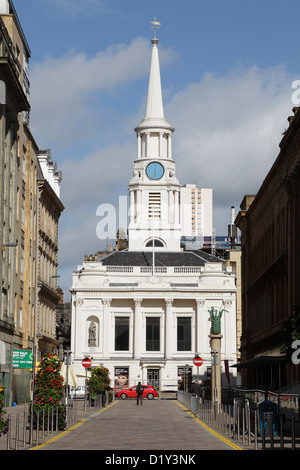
(260,362)
(72,378)
(80,371)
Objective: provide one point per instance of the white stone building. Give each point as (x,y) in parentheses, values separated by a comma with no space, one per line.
(144,312)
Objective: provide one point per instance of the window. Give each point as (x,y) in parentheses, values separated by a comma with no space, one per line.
(184,342)
(122,333)
(152,334)
(157,243)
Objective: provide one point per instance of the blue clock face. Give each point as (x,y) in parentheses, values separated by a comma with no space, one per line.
(155,171)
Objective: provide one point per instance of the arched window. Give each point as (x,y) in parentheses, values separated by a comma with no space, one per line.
(157,243)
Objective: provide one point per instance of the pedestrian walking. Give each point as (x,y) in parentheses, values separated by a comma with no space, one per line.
(139,393)
(196,389)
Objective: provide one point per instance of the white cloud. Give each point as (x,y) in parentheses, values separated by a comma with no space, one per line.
(64,89)
(227,133)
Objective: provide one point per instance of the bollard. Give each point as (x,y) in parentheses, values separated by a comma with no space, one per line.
(255,429)
(8,433)
(48,422)
(52,419)
(263,432)
(243,424)
(37,426)
(281,432)
(293,432)
(271,433)
(24,429)
(17,432)
(31,425)
(43,424)
(249,427)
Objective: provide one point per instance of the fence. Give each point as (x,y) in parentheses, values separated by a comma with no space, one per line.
(27,429)
(30,427)
(246,422)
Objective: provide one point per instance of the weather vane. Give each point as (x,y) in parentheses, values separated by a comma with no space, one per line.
(156,25)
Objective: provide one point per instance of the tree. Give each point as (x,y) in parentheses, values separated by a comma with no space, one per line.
(48,390)
(99,382)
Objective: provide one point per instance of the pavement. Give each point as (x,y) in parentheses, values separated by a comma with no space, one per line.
(159,425)
(156,425)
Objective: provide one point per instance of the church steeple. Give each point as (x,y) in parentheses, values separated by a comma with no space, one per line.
(154,116)
(154,188)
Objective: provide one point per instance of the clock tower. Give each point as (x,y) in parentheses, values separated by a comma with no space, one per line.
(154,189)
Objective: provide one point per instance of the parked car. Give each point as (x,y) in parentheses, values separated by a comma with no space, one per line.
(149,392)
(78,392)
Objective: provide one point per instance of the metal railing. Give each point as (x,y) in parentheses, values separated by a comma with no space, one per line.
(243,422)
(29,427)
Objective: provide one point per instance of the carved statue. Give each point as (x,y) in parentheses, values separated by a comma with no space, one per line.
(215,318)
(92,335)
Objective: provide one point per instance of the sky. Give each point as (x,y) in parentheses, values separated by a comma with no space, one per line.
(229,73)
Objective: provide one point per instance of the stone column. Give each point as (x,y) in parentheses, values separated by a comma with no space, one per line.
(176,208)
(169,329)
(169,146)
(171,207)
(147,144)
(107,327)
(139,145)
(137,332)
(78,339)
(215,345)
(132,207)
(138,207)
(160,145)
(201,330)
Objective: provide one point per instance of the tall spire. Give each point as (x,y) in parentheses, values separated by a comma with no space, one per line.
(154,116)
(154,109)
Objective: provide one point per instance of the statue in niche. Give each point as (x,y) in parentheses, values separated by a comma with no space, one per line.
(215,318)
(92,334)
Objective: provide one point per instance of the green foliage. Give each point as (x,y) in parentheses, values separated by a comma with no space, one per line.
(99,381)
(48,390)
(3,422)
(291,333)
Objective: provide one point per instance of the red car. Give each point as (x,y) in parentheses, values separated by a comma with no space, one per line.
(149,392)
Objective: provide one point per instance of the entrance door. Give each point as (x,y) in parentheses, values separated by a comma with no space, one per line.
(153,378)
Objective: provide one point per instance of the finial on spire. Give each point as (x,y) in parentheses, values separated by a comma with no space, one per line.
(156,25)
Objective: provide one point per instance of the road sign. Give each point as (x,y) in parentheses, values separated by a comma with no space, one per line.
(86,362)
(198,361)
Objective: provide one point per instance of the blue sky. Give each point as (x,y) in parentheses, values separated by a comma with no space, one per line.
(227,70)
